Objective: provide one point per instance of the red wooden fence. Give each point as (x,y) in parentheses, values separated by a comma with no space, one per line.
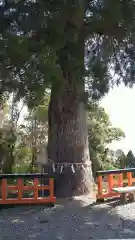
(106,180)
(20,189)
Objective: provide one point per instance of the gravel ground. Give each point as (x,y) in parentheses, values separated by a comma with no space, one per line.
(73,220)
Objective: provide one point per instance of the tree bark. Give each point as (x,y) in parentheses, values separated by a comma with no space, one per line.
(68,141)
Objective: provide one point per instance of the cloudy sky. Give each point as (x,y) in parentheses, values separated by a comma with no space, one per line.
(119,104)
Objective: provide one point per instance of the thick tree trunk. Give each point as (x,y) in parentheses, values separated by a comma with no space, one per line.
(68,134)
(68,142)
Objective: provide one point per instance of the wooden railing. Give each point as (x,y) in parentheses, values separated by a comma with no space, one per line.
(20,189)
(106,180)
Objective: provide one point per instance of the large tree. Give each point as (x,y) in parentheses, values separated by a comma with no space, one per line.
(42,44)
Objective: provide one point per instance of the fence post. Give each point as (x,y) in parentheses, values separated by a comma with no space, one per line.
(4,189)
(110,182)
(100,185)
(36,183)
(120,180)
(20,189)
(51,187)
(129,176)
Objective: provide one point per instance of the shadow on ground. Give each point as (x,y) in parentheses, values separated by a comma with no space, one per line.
(71,220)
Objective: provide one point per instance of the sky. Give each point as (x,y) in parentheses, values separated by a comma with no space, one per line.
(119,105)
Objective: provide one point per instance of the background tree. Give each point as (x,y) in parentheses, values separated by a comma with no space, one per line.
(3,121)
(37,129)
(9,133)
(101,133)
(42,44)
(121,159)
(130,160)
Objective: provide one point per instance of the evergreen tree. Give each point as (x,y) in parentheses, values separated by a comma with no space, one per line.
(130,160)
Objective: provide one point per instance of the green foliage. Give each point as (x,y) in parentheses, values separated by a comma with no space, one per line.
(33,138)
(22,159)
(121,159)
(40,112)
(40,47)
(101,133)
(20,144)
